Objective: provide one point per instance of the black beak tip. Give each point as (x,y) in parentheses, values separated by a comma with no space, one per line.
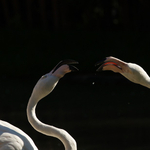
(100,62)
(73,68)
(99,69)
(69,61)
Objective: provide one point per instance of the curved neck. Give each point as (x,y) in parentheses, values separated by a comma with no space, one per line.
(62,135)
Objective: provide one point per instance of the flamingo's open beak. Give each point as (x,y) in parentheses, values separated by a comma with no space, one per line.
(108,65)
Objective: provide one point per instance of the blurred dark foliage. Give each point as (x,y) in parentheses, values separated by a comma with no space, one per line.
(76,14)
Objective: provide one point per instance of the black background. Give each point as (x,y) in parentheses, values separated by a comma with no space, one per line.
(100,110)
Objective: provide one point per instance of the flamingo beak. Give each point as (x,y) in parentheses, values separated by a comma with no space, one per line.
(66,62)
(108,65)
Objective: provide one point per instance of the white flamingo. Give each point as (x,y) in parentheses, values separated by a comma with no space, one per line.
(12,138)
(131,71)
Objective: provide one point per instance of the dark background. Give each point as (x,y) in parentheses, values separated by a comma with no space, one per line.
(112,113)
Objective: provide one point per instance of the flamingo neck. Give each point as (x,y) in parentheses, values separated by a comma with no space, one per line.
(68,142)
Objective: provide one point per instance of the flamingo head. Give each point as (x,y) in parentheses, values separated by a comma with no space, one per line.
(64,67)
(48,81)
(131,71)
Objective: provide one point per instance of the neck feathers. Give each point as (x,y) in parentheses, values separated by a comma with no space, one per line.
(62,135)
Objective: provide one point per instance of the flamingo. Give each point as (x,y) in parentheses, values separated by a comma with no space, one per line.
(131,71)
(13,138)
